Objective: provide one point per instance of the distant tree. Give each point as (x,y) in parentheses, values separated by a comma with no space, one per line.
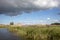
(11,23)
(55,23)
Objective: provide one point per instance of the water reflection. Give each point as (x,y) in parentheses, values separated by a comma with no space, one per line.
(6,35)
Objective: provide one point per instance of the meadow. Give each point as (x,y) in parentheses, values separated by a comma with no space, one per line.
(34,32)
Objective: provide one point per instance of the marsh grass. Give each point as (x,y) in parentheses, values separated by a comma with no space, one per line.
(37,33)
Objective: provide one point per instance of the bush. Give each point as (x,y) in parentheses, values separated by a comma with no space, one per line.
(55,24)
(11,23)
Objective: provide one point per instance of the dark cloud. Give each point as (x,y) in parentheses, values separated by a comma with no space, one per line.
(17,7)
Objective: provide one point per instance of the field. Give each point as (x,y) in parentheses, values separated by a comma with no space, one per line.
(34,32)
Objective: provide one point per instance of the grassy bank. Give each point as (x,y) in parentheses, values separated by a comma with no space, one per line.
(36,32)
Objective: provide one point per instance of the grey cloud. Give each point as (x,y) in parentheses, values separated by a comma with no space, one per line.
(17,7)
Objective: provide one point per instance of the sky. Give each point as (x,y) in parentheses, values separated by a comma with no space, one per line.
(38,17)
(29,11)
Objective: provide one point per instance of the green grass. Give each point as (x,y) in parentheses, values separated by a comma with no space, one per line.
(36,32)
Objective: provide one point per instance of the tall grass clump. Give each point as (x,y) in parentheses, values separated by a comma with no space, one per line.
(40,33)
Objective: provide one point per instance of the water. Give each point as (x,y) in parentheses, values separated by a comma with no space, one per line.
(6,35)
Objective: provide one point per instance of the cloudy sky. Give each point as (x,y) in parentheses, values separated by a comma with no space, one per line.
(29,11)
